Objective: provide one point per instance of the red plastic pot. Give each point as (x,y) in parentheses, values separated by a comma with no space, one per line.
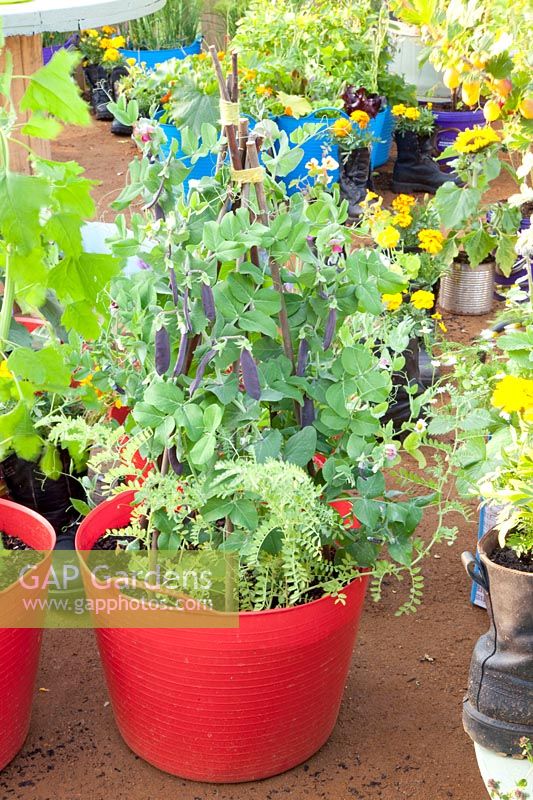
(226,705)
(20,646)
(30,323)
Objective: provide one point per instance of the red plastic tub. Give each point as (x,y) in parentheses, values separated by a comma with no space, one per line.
(233,704)
(20,647)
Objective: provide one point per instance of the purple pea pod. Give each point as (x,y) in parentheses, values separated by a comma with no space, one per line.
(200,370)
(186,313)
(176,465)
(182,356)
(331,325)
(208,302)
(308,412)
(250,375)
(162,351)
(303,352)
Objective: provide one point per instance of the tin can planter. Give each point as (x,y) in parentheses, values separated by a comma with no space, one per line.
(226,705)
(20,647)
(468,290)
(152,58)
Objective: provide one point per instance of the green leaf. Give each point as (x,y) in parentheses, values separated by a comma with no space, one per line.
(301,447)
(368,512)
(212,418)
(41,127)
(203,450)
(81,319)
(52,90)
(371,487)
(50,463)
(22,197)
(44,368)
(166,397)
(506,253)
(18,433)
(456,205)
(478,244)
(259,322)
(80,506)
(401,550)
(268,447)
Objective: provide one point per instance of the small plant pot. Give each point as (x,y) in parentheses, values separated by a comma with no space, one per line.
(506,771)
(226,705)
(498,708)
(468,290)
(20,646)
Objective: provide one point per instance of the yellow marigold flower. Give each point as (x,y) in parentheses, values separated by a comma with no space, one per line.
(341,128)
(432,241)
(118,42)
(111,54)
(403,203)
(429,106)
(389,237)
(5,372)
(422,299)
(398,110)
(202,56)
(105,43)
(412,113)
(474,139)
(512,393)
(392,301)
(250,74)
(92,34)
(372,196)
(108,30)
(361,118)
(221,54)
(403,219)
(131,61)
(118,404)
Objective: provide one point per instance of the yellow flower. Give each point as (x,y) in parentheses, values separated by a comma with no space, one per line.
(131,61)
(108,30)
(250,74)
(429,106)
(512,393)
(341,128)
(5,372)
(398,110)
(432,241)
(403,203)
(264,91)
(474,139)
(111,54)
(202,56)
(105,43)
(372,196)
(422,299)
(392,301)
(389,237)
(221,54)
(118,404)
(118,42)
(361,118)
(87,381)
(92,34)
(412,113)
(402,219)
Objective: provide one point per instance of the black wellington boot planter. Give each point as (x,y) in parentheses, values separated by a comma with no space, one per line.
(118,128)
(415,170)
(101,91)
(498,709)
(28,486)
(400,410)
(355,180)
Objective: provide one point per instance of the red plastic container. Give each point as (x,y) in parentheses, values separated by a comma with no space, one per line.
(20,647)
(226,705)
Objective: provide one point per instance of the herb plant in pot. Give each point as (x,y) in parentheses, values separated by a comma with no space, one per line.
(45,271)
(256,420)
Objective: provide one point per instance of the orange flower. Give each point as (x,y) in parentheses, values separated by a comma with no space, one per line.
(288,111)
(166,98)
(341,128)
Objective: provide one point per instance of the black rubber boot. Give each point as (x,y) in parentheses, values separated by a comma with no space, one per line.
(355,180)
(498,709)
(118,128)
(415,169)
(99,100)
(400,410)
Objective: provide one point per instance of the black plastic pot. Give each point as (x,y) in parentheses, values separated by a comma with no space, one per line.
(29,486)
(498,709)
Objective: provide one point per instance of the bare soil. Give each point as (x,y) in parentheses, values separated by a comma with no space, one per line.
(399,733)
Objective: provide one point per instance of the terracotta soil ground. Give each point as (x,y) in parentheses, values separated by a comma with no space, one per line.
(399,733)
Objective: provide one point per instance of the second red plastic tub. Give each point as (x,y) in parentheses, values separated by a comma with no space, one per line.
(226,705)
(20,646)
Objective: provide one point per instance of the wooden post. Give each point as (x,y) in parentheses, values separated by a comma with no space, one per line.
(27,54)
(214,27)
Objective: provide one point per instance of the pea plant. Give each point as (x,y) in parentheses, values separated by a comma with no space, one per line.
(238,325)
